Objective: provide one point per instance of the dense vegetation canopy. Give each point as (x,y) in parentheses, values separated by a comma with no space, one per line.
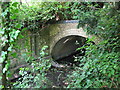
(98,68)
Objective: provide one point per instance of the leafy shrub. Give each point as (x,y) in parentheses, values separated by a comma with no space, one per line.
(103,22)
(98,68)
(34,75)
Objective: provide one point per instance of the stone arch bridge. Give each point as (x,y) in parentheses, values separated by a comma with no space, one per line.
(62,38)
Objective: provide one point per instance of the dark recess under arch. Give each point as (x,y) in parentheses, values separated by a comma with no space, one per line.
(67,46)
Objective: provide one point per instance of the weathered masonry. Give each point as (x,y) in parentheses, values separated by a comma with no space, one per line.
(61,38)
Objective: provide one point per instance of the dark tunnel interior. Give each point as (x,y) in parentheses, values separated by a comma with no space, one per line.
(65,48)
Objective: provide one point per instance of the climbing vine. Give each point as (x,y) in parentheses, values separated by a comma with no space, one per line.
(9,31)
(99,68)
(33,18)
(35,77)
(38,15)
(100,65)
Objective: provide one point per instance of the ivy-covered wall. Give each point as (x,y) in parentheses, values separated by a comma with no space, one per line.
(31,43)
(54,32)
(21,49)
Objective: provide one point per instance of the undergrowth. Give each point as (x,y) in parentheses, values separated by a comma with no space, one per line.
(100,66)
(97,69)
(34,76)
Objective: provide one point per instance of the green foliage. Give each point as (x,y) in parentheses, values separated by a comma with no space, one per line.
(36,78)
(35,15)
(99,67)
(103,22)
(9,32)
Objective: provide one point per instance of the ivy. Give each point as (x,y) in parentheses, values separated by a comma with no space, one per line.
(35,79)
(36,15)
(99,68)
(10,30)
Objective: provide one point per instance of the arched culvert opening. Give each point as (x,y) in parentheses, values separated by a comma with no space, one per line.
(66,47)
